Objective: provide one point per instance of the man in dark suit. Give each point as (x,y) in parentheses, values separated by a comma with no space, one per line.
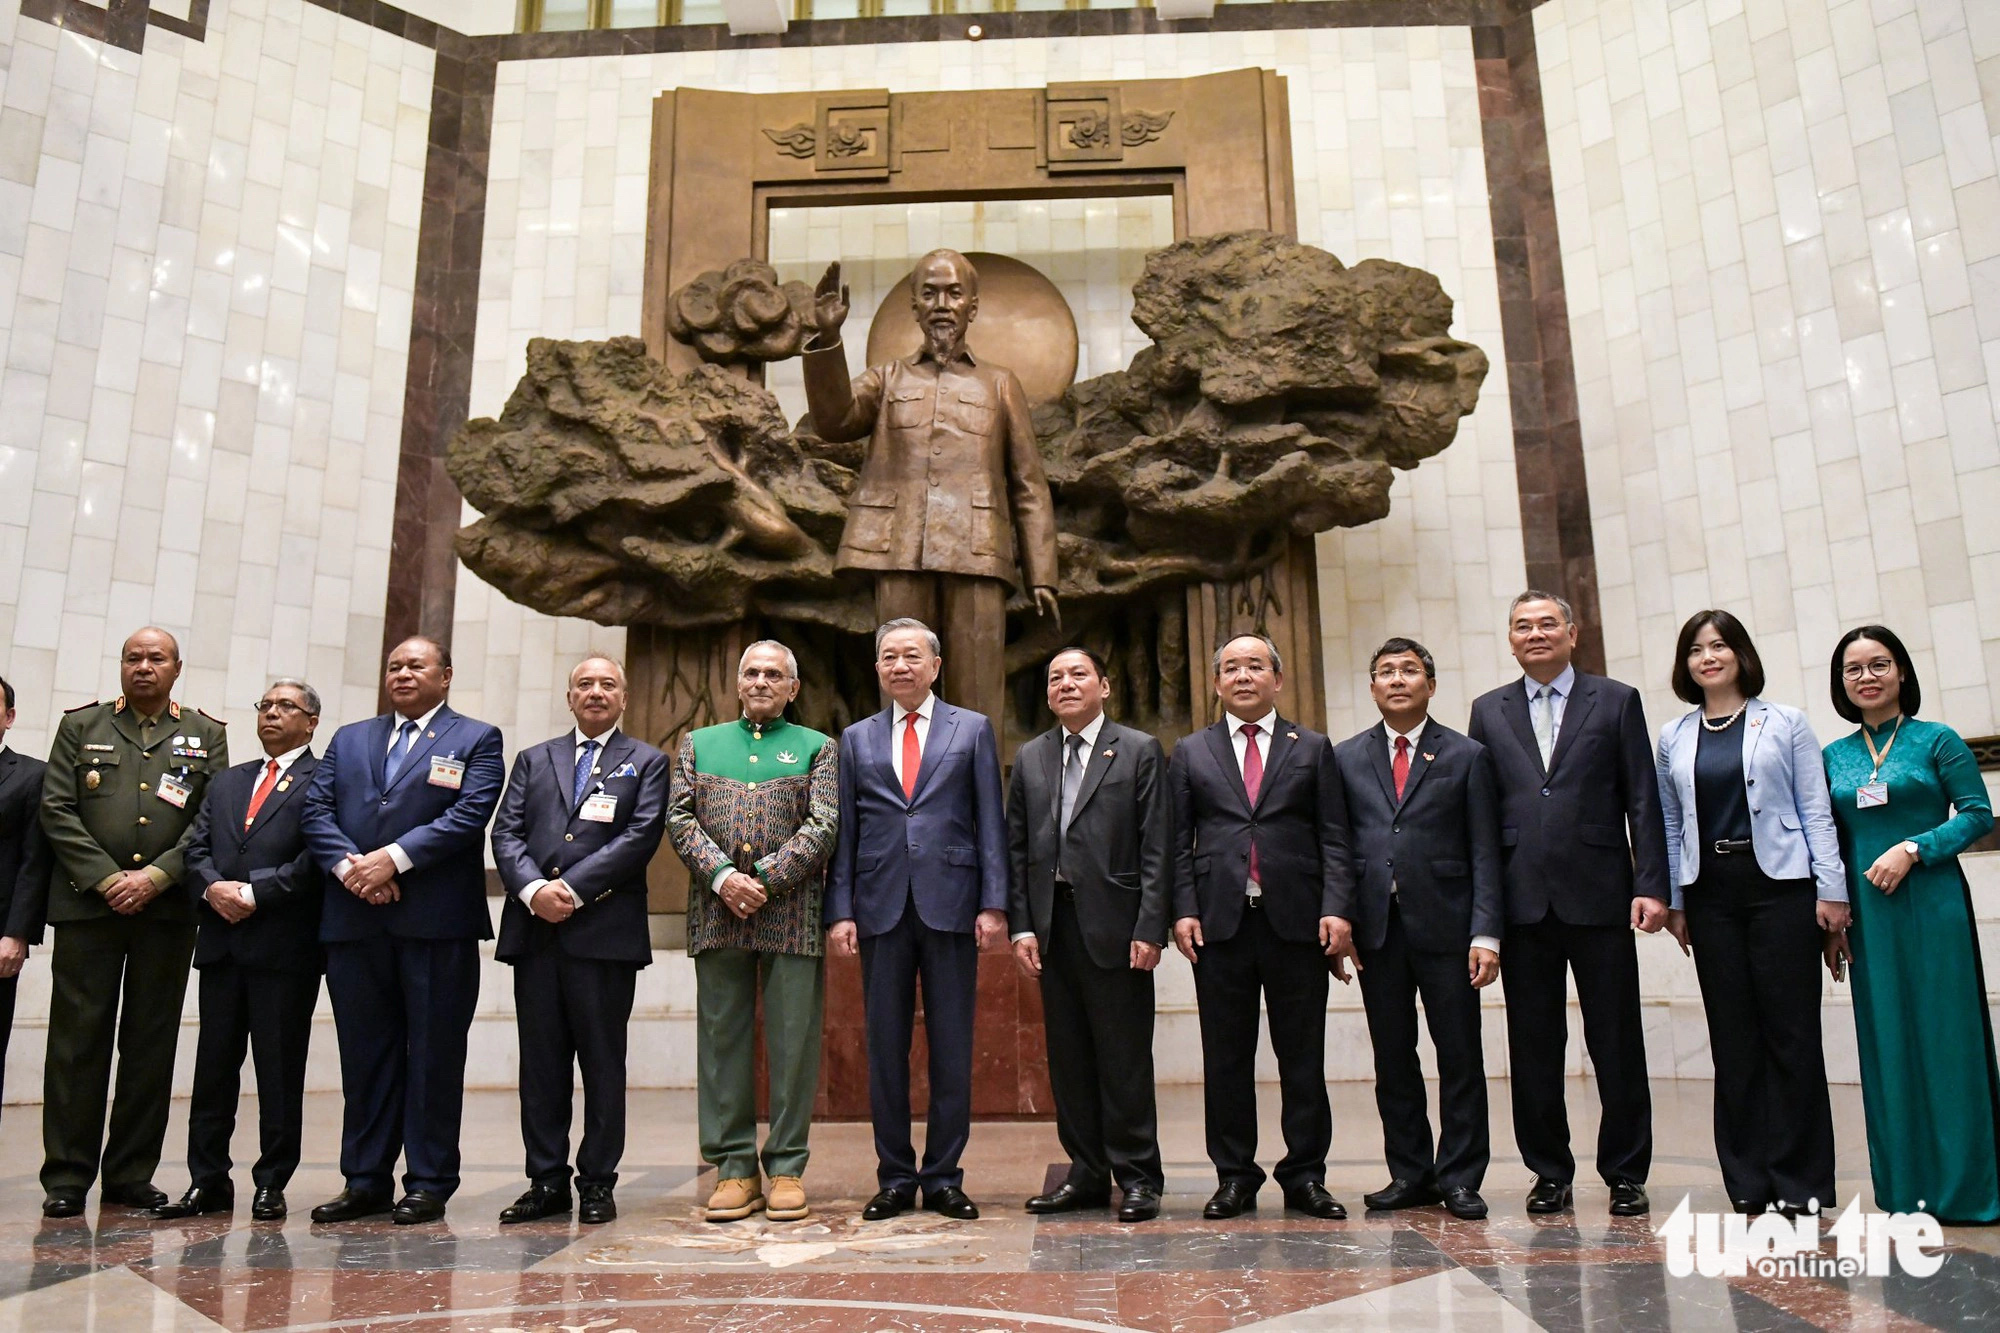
(1424,817)
(257,896)
(582,816)
(1575,763)
(1090,852)
(919,886)
(24,866)
(1264,896)
(396,813)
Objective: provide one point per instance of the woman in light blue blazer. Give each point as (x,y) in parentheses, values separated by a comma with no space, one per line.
(1757,882)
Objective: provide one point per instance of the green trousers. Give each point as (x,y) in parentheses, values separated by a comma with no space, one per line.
(726,985)
(117,980)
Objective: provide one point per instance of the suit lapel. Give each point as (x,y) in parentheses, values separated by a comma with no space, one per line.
(1378,761)
(378,748)
(1422,755)
(1284,737)
(1048,764)
(943,730)
(1224,751)
(291,779)
(1515,706)
(9,766)
(427,740)
(1095,763)
(608,759)
(1757,720)
(1582,696)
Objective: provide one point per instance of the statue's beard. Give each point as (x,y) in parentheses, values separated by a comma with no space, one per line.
(943,340)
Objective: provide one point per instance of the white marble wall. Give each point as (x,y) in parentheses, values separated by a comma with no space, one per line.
(1780,226)
(206,259)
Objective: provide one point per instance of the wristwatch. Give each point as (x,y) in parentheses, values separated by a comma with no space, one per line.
(1911,847)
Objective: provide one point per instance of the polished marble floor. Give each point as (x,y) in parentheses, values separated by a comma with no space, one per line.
(659,1268)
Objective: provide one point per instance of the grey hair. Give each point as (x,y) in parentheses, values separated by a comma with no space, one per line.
(616,665)
(1277,661)
(1537,595)
(791,658)
(888,627)
(311,694)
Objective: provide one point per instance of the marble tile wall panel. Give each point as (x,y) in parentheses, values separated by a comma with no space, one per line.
(1388,159)
(1780,225)
(207,255)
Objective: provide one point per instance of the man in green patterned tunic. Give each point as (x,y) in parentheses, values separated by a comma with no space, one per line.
(754,811)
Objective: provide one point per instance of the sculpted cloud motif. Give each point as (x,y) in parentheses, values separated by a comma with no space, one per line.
(1281,390)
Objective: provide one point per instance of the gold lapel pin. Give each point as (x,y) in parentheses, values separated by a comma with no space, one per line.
(1429,757)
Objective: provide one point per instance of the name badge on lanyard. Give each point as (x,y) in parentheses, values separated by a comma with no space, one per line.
(174,791)
(599,808)
(1875,792)
(447,772)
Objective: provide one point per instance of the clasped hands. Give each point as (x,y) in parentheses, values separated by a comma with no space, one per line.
(226,897)
(130,892)
(371,878)
(742,894)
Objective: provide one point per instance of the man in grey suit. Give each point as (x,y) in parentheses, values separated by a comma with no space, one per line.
(1090,853)
(1423,814)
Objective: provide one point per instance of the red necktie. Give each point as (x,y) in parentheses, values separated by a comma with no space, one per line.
(913,757)
(263,790)
(1253,779)
(1401,768)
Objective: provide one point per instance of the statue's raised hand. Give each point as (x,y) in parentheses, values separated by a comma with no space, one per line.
(830,303)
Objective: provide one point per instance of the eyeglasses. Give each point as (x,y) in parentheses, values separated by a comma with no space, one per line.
(282,707)
(1880,667)
(1387,674)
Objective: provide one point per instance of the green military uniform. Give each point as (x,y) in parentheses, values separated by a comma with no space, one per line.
(764,799)
(121,794)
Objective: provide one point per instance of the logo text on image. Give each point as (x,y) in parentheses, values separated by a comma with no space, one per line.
(1772,1245)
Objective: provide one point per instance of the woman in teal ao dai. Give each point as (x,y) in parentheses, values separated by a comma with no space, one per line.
(1908,798)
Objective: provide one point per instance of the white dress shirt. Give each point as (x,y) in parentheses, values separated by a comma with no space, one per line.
(923,713)
(395,850)
(1415,736)
(1239,743)
(576,739)
(285,762)
(1090,732)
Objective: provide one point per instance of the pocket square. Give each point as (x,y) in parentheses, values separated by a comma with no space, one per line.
(625,770)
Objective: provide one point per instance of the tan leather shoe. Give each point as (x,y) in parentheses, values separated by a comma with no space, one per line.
(787,1199)
(733,1199)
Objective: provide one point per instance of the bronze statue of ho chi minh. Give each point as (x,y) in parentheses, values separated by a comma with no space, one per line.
(952,475)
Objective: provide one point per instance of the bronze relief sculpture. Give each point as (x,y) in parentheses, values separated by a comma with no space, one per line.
(1281,390)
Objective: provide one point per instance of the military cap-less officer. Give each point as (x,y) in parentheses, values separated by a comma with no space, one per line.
(125,782)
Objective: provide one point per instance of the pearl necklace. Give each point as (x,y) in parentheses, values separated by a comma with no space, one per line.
(1726,722)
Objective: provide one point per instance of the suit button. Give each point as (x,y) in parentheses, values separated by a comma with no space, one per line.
(1751,783)
(569,837)
(143,820)
(1545,791)
(137,859)
(385,800)
(1396,829)
(144,787)
(555,872)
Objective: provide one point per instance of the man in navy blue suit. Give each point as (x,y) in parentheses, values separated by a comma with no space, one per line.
(919,885)
(396,813)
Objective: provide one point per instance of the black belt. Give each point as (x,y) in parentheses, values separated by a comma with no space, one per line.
(1733,846)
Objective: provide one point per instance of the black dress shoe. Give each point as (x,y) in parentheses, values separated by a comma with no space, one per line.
(1465,1204)
(417,1207)
(1141,1204)
(1748,1207)
(1628,1199)
(1548,1196)
(268,1205)
(1404,1194)
(596,1206)
(539,1202)
(63,1203)
(140,1195)
(1314,1200)
(1230,1198)
(194,1203)
(888,1204)
(348,1205)
(951,1201)
(1068,1197)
